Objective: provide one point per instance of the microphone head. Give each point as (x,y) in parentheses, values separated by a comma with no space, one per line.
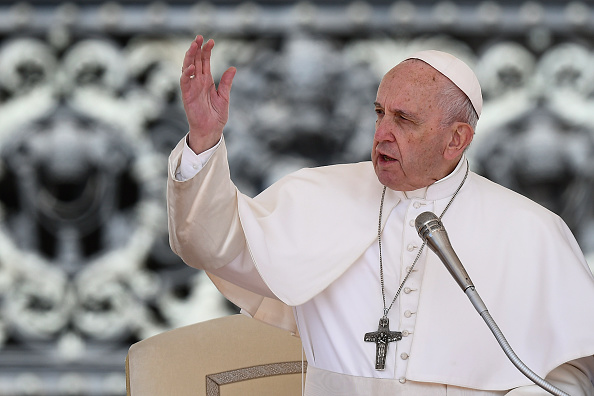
(433,233)
(426,223)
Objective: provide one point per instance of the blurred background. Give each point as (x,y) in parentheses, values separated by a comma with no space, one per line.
(90,109)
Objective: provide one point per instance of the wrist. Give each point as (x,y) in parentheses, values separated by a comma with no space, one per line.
(199,144)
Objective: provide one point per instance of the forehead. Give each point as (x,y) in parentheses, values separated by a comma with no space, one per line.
(412,84)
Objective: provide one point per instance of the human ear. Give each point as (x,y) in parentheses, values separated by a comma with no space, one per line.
(460,138)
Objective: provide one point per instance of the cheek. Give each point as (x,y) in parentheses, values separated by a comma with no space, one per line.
(417,155)
(426,146)
(429,157)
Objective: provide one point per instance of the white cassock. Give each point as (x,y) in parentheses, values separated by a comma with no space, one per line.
(303,255)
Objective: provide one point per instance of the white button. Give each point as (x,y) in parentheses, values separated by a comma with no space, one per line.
(411,223)
(404,356)
(411,247)
(405,333)
(195,166)
(402,380)
(417,205)
(407,314)
(407,290)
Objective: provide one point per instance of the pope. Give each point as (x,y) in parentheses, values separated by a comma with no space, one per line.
(333,254)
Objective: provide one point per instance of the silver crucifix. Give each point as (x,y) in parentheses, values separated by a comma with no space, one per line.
(382,337)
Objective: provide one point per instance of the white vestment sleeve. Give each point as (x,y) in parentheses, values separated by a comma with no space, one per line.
(241,271)
(574,378)
(206,232)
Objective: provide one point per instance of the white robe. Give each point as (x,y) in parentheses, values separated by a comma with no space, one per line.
(310,228)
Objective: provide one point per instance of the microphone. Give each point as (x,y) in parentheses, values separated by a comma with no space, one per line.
(433,233)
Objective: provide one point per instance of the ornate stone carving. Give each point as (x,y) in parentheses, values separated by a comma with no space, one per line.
(89,110)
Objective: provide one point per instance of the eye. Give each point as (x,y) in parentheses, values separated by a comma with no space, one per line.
(402,117)
(379,112)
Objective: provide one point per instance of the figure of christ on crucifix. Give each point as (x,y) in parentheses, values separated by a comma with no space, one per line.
(382,337)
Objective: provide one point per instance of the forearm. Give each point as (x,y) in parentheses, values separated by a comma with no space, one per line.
(204,226)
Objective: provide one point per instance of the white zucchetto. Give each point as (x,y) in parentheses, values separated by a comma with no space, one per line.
(457,72)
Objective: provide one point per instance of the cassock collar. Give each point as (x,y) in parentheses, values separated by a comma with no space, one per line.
(443,188)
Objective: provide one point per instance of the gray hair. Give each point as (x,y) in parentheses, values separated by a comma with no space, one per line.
(456,106)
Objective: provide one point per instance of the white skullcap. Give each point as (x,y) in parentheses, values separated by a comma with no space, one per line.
(457,71)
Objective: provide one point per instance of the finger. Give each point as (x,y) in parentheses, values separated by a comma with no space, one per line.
(187,75)
(205,57)
(197,57)
(226,82)
(190,54)
(189,57)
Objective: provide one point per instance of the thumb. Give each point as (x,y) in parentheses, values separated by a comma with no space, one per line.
(226,82)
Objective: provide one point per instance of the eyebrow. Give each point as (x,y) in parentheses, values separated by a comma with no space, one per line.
(410,116)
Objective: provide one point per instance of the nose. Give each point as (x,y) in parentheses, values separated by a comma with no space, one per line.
(383,131)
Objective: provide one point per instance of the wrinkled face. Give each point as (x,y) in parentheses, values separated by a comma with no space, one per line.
(409,141)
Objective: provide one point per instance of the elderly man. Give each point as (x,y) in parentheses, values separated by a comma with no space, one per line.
(333,253)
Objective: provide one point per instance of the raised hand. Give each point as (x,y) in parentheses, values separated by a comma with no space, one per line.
(207,108)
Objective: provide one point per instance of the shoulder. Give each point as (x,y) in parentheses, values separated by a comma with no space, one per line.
(351,170)
(510,210)
(332,179)
(491,192)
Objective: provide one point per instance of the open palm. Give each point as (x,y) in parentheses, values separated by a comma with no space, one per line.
(207,108)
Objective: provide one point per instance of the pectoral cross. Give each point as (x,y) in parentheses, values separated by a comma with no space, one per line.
(382,337)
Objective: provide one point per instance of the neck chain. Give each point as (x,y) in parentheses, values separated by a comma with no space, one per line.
(379,240)
(383,335)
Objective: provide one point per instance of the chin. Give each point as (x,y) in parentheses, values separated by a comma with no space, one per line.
(385,177)
(384,180)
